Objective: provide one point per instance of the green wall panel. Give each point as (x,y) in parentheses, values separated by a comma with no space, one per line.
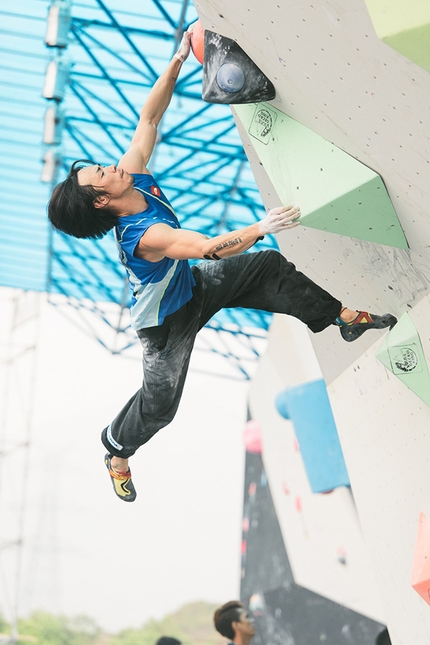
(335,192)
(414,44)
(401,352)
(404,25)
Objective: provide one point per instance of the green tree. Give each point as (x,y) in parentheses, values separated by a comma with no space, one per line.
(4,626)
(47,629)
(191,624)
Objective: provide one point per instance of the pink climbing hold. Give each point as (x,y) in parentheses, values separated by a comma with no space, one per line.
(252,437)
(421,568)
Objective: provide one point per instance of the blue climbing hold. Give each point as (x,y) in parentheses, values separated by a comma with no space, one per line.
(230,77)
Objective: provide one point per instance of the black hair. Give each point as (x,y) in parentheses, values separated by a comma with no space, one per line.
(168,640)
(71,207)
(225,616)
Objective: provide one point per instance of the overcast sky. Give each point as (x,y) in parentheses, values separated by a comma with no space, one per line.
(85,551)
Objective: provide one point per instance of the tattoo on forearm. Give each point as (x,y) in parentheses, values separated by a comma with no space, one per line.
(220,247)
(224,245)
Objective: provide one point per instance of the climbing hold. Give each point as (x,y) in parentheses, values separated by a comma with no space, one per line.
(197,41)
(229,75)
(316,434)
(256,604)
(252,489)
(421,568)
(252,437)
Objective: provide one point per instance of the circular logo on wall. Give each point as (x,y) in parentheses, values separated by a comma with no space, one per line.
(263,123)
(264,119)
(406,360)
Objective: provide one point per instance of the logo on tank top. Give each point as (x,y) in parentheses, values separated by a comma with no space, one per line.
(155,191)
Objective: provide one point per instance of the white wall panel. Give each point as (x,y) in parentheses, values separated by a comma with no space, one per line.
(334,76)
(327,526)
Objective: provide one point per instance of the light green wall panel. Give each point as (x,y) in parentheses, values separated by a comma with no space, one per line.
(414,44)
(404,25)
(335,192)
(390,17)
(402,354)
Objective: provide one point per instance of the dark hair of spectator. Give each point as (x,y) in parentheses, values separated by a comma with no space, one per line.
(226,615)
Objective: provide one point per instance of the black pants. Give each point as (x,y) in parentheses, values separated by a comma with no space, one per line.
(264,280)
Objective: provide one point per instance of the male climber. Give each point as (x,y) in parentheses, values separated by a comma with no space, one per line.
(172,301)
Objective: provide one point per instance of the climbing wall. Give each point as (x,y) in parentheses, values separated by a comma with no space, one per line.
(347,138)
(285,612)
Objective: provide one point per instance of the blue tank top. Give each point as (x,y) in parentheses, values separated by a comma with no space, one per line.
(158,288)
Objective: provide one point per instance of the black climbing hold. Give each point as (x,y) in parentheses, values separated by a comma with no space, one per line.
(230,76)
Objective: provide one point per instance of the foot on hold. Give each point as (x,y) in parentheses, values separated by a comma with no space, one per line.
(362,322)
(122,484)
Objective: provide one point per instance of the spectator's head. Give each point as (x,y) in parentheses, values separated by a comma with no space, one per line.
(232,620)
(168,640)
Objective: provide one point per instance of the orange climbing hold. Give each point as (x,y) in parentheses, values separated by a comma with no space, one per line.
(198,41)
(421,569)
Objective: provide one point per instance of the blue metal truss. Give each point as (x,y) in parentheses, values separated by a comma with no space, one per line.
(117,53)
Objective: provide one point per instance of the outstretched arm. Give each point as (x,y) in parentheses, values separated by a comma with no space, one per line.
(160,240)
(142,144)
